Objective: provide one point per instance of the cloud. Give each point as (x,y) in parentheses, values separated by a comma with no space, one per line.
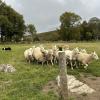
(61,1)
(44,14)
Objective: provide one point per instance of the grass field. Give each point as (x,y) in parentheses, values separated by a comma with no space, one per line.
(27,82)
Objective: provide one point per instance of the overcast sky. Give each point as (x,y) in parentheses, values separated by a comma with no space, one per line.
(44,14)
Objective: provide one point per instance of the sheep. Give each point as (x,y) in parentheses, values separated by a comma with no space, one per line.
(49,56)
(38,54)
(54,47)
(42,48)
(71,56)
(42,55)
(85,58)
(55,53)
(28,54)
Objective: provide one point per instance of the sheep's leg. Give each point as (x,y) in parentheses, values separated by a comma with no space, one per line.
(66,62)
(71,65)
(47,63)
(79,64)
(37,62)
(6,69)
(52,62)
(55,61)
(27,60)
(74,61)
(42,63)
(76,64)
(86,65)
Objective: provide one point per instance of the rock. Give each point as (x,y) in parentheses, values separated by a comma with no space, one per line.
(7,68)
(76,86)
(82,89)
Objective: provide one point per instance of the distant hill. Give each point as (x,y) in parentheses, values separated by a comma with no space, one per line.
(48,36)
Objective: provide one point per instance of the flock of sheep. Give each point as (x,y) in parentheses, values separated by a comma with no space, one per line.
(74,58)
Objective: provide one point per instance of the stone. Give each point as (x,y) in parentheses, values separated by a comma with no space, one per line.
(76,86)
(7,68)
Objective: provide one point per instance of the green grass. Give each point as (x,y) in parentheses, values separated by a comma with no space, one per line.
(27,82)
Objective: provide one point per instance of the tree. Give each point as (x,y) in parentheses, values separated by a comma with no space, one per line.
(16,21)
(70,26)
(88,36)
(6,28)
(94,26)
(32,30)
(84,30)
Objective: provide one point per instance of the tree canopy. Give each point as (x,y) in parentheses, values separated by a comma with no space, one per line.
(73,28)
(12,24)
(70,24)
(32,30)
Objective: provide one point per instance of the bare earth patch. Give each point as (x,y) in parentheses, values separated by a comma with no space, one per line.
(91,81)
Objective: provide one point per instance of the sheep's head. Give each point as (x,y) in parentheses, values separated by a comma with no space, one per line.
(76,50)
(42,48)
(83,51)
(54,48)
(95,56)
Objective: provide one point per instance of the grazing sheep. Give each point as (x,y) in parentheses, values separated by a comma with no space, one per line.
(85,58)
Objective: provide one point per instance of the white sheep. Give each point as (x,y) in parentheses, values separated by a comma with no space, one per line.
(85,58)
(71,56)
(49,56)
(55,53)
(38,54)
(28,54)
(42,55)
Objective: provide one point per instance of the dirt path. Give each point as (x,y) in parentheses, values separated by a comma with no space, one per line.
(92,81)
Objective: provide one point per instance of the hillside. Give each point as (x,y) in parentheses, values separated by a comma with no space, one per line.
(48,36)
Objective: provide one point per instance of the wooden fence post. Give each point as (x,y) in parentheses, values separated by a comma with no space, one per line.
(63,88)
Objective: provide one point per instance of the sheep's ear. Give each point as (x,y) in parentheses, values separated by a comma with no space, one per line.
(94,52)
